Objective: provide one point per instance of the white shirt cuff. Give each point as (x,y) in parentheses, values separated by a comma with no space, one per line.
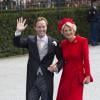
(56,71)
(17,33)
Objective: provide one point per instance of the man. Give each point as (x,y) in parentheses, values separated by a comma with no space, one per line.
(42,50)
(93,18)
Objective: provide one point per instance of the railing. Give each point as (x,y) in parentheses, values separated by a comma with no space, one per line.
(11,5)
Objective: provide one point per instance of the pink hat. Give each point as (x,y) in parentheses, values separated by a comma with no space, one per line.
(66,21)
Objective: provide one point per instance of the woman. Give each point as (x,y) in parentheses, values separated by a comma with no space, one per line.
(76,69)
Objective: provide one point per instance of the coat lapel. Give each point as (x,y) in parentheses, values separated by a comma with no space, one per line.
(49,45)
(36,52)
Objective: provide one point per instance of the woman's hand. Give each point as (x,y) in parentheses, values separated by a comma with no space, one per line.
(86,80)
(53,68)
(21,24)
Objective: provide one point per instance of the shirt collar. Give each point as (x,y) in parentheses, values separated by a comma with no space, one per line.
(45,39)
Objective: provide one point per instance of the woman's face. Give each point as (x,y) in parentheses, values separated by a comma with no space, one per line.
(68,32)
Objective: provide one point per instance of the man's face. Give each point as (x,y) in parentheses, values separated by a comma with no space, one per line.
(41,28)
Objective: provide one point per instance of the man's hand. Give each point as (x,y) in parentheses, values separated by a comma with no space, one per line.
(86,80)
(53,68)
(21,24)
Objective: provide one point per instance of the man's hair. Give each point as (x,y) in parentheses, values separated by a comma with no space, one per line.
(40,19)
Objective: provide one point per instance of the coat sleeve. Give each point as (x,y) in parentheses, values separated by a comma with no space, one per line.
(59,57)
(85,50)
(20,42)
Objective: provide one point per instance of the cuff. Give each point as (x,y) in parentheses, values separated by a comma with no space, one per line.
(56,70)
(17,33)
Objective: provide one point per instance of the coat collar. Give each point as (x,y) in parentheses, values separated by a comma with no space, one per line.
(74,41)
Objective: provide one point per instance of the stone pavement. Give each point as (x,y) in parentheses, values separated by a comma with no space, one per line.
(13,77)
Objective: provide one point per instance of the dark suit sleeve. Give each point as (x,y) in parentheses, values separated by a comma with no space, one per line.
(59,57)
(20,42)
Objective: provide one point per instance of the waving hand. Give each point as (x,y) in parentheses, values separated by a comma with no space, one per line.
(21,24)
